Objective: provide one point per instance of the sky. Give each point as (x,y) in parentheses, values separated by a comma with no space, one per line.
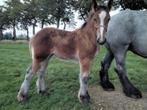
(69,28)
(2,2)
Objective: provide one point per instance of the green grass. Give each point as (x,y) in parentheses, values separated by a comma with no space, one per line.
(61,79)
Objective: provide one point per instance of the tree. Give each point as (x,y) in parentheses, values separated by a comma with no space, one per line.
(62,9)
(32,11)
(13,8)
(45,12)
(4,21)
(25,21)
(84,6)
(59,11)
(26,18)
(133,4)
(65,20)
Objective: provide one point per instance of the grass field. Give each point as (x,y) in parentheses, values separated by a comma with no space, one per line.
(61,80)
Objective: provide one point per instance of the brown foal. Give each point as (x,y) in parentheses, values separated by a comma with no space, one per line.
(80,45)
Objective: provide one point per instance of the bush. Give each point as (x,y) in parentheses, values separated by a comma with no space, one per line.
(7,36)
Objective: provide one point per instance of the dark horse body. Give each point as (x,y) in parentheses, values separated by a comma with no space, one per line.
(126,31)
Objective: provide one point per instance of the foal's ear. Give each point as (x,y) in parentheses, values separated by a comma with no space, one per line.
(109,5)
(94,6)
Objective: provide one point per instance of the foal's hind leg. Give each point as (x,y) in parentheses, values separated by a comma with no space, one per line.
(40,83)
(23,92)
(83,94)
(104,78)
(128,87)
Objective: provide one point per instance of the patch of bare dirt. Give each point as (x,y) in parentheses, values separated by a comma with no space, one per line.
(115,100)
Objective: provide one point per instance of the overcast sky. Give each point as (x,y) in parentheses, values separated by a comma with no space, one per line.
(2,2)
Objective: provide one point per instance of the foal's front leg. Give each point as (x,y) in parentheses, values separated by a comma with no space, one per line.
(83,94)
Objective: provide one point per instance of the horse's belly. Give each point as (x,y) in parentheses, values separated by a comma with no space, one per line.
(140,49)
(64,54)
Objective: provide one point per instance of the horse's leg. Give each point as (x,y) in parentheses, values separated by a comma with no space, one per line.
(23,92)
(40,83)
(83,94)
(104,78)
(128,87)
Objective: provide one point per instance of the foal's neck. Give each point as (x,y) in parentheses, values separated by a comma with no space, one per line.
(89,30)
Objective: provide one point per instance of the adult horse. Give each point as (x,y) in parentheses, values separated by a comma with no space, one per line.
(126,31)
(80,45)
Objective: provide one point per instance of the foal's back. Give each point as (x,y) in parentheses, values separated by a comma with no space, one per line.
(54,41)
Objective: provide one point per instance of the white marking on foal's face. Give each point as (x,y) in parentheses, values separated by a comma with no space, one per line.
(100,33)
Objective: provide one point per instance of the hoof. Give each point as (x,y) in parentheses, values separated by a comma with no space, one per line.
(133,93)
(107,86)
(84,98)
(43,93)
(21,97)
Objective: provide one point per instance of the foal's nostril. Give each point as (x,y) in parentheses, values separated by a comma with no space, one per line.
(98,39)
(102,42)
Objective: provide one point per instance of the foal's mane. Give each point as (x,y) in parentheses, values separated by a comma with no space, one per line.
(84,24)
(90,15)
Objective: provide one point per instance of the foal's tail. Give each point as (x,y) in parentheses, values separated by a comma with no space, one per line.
(30,47)
(35,64)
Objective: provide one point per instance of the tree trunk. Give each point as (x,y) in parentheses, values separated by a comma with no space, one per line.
(27,34)
(34,25)
(64,25)
(58,22)
(1,34)
(42,23)
(34,29)
(14,32)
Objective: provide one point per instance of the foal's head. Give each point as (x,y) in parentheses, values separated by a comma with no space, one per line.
(100,16)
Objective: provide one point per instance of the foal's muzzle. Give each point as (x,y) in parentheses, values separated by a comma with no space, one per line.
(101,35)
(101,42)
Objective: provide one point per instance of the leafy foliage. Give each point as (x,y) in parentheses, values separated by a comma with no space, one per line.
(30,12)
(46,8)
(4,21)
(13,8)
(8,36)
(62,9)
(133,4)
